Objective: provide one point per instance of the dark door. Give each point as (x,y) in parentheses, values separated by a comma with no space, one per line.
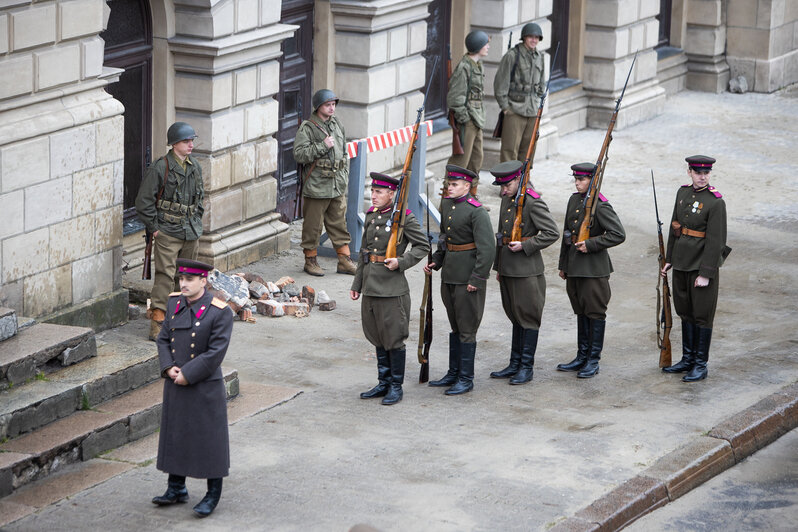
(664,18)
(128,45)
(296,68)
(438,35)
(559,35)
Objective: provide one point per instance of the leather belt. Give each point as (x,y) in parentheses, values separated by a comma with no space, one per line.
(461,247)
(376,258)
(690,232)
(506,239)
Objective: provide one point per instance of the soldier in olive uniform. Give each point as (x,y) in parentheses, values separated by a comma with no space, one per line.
(518,87)
(193,441)
(466,89)
(320,146)
(385,309)
(465,251)
(586,268)
(519,267)
(169,202)
(696,251)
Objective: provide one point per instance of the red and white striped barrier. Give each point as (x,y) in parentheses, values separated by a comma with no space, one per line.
(386,140)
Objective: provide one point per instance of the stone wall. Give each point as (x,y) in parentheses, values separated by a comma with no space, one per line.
(61,151)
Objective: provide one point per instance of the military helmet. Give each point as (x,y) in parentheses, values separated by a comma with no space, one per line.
(531,28)
(475,40)
(179,131)
(323,96)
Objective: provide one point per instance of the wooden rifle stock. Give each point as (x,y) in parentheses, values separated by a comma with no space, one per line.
(590,204)
(146,270)
(664,316)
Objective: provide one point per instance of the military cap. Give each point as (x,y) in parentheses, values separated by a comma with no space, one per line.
(379,180)
(457,172)
(584,169)
(179,131)
(506,171)
(475,40)
(700,162)
(193,267)
(531,29)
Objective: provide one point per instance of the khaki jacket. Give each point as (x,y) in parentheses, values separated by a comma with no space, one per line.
(520,91)
(466,90)
(330,176)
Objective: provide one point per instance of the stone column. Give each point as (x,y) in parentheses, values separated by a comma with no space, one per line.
(705,43)
(761,44)
(226,76)
(61,165)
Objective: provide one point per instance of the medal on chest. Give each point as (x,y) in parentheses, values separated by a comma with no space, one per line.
(697,206)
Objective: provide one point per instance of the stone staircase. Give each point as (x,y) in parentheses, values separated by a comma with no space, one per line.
(68,395)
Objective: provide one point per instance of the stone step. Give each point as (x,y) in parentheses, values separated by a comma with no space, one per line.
(85,434)
(8,323)
(42,348)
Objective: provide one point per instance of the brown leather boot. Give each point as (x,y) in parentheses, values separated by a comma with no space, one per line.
(345,263)
(311,264)
(156,320)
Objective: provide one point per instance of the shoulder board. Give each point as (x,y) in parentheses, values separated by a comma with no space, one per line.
(174,294)
(715,192)
(474,202)
(533,193)
(408,212)
(602,198)
(218,303)
(687,185)
(371,209)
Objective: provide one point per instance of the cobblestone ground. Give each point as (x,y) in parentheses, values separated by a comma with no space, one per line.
(510,457)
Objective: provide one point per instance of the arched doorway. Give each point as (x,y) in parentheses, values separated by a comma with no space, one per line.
(128,45)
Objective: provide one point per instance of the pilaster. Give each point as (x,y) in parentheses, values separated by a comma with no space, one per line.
(705,43)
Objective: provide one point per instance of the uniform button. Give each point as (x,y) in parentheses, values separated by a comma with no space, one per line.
(173,350)
(173,316)
(376,238)
(197,324)
(193,334)
(506,221)
(448,228)
(379,217)
(192,355)
(448,238)
(192,345)
(453,206)
(173,339)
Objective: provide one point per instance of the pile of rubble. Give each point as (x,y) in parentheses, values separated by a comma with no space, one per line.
(247,293)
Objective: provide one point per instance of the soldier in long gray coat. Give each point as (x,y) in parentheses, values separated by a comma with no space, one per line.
(193,440)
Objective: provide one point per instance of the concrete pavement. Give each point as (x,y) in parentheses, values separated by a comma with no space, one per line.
(517,457)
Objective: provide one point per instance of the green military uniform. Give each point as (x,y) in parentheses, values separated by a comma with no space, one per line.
(465,253)
(696,247)
(588,274)
(518,87)
(177,217)
(466,89)
(521,279)
(385,307)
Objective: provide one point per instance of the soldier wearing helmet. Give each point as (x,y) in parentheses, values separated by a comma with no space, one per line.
(169,202)
(320,149)
(466,89)
(518,87)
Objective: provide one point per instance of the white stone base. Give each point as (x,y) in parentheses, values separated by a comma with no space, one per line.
(672,73)
(707,74)
(568,109)
(246,243)
(640,103)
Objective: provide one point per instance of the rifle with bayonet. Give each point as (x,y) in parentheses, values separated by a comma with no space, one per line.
(590,204)
(520,194)
(664,315)
(457,142)
(425,322)
(397,221)
(497,131)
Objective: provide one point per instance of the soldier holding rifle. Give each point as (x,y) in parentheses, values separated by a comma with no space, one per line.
(696,251)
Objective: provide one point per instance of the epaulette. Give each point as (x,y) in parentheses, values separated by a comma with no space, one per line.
(218,303)
(687,185)
(602,198)
(174,294)
(408,212)
(474,202)
(715,192)
(371,209)
(533,193)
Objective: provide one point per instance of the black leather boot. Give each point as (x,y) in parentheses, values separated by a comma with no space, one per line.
(699,370)
(530,345)
(515,356)
(454,362)
(383,376)
(582,345)
(205,507)
(175,491)
(397,376)
(689,340)
(596,345)
(465,378)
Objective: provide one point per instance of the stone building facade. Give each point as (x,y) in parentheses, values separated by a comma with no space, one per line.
(89,87)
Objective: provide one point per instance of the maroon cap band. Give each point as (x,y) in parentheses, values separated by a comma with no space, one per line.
(579,172)
(192,271)
(379,183)
(508,178)
(701,165)
(460,176)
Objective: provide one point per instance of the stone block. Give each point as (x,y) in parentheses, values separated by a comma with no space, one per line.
(649,8)
(545,9)
(755,427)
(606,44)
(17,76)
(119,182)
(769,74)
(270,307)
(645,67)
(327,306)
(495,14)
(740,13)
(48,203)
(57,66)
(411,74)
(270,11)
(93,189)
(92,54)
(246,15)
(266,154)
(80,17)
(223,209)
(203,93)
(92,276)
(626,503)
(746,42)
(691,465)
(417,35)
(781,40)
(260,198)
(12,207)
(575,524)
(611,13)
(790,11)
(47,291)
(33,27)
(103,440)
(82,351)
(268,79)
(216,171)
(651,33)
(72,150)
(206,23)
(3,33)
(362,121)
(19,372)
(71,240)
(395,114)
(704,12)
(108,228)
(397,43)
(143,423)
(262,119)
(296,308)
(742,67)
(8,323)
(366,86)
(243,163)
(25,163)
(108,134)
(221,130)
(361,49)
(701,40)
(11,293)
(246,84)
(637,34)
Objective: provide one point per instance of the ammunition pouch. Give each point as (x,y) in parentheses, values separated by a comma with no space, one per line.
(174,212)
(329,165)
